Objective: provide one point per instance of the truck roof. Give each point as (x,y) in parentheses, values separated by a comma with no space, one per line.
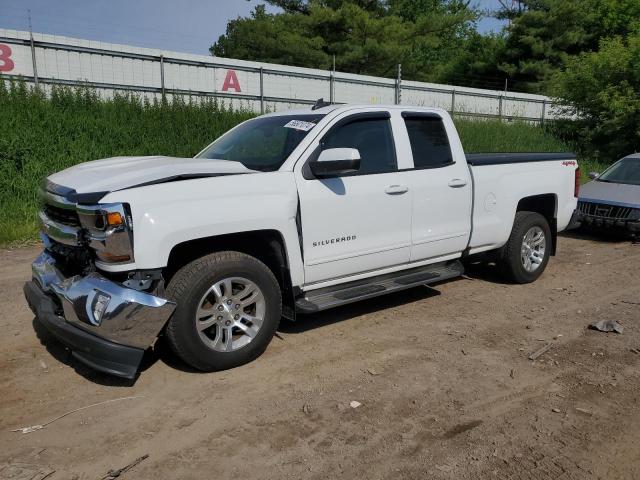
(347,106)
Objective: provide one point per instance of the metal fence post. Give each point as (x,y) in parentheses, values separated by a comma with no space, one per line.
(33,60)
(261,90)
(399,85)
(162,74)
(544,108)
(332,84)
(453,101)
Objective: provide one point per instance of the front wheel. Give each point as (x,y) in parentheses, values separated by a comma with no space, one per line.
(526,253)
(228,309)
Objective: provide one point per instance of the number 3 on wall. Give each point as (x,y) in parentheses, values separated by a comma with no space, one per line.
(6,64)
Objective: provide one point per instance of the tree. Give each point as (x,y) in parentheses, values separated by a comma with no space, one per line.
(546,34)
(366,36)
(601,89)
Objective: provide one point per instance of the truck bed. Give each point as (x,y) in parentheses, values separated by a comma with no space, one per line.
(501,179)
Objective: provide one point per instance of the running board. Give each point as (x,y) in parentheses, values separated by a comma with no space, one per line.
(329,297)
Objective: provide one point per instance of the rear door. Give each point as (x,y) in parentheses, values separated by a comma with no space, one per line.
(441,187)
(360,222)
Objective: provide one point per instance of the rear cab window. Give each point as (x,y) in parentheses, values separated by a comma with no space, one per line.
(429,140)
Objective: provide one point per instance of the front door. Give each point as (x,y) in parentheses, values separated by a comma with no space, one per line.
(358,222)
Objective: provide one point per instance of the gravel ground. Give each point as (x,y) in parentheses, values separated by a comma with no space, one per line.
(446,390)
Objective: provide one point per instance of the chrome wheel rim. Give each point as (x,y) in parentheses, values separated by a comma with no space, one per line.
(230,314)
(533,248)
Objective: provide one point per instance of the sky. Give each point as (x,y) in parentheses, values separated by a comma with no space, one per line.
(180,25)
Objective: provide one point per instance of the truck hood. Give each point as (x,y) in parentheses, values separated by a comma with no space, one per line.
(118,173)
(611,193)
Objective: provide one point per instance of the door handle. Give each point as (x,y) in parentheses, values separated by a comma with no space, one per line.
(457,183)
(396,190)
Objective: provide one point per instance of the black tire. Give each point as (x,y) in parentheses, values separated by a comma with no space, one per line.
(187,288)
(510,255)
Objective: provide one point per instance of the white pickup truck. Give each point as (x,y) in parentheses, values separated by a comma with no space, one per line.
(287,213)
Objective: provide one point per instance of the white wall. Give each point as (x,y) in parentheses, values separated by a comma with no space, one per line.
(112,66)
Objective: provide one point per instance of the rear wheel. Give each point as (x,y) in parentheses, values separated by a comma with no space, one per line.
(228,309)
(526,253)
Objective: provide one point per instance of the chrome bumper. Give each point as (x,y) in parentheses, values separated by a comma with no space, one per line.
(102,307)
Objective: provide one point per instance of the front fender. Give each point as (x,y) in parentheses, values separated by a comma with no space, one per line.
(169,214)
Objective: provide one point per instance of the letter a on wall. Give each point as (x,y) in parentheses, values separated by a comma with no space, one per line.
(231,82)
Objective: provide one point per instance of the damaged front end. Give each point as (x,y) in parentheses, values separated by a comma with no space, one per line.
(106,320)
(106,325)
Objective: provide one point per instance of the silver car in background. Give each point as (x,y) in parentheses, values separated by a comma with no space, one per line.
(612,200)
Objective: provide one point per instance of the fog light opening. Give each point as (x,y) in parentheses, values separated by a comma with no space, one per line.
(100,306)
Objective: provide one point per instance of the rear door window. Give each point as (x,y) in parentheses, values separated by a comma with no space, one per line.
(429,141)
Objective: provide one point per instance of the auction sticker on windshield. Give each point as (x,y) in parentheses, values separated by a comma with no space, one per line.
(300,125)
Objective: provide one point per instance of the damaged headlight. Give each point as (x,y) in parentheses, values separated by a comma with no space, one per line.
(109,231)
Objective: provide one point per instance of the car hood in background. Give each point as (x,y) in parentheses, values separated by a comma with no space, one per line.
(118,173)
(611,193)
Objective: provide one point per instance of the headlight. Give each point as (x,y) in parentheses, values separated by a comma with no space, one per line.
(110,231)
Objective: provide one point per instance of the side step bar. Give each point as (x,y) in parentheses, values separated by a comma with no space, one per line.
(329,297)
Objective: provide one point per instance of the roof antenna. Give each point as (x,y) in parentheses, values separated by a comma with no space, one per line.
(319,104)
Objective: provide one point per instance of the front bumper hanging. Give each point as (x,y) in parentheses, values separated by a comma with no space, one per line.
(105,325)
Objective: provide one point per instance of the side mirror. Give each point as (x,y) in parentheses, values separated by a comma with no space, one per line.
(593,175)
(336,161)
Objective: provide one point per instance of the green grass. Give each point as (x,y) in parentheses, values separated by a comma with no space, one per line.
(42,134)
(491,136)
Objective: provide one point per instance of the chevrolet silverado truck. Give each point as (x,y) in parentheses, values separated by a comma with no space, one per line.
(287,213)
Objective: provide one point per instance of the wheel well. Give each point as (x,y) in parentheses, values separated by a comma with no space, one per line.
(545,205)
(266,245)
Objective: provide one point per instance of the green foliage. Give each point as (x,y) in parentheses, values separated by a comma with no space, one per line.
(366,36)
(494,136)
(602,90)
(40,135)
(548,33)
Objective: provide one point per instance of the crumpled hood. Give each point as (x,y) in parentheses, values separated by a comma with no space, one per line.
(118,173)
(611,193)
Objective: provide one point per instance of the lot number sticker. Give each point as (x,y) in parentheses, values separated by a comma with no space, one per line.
(300,125)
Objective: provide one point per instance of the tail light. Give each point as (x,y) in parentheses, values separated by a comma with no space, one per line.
(576,189)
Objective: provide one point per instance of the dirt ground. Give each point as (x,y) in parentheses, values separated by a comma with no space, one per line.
(442,375)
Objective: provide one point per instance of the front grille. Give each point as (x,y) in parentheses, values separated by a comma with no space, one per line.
(62,215)
(602,210)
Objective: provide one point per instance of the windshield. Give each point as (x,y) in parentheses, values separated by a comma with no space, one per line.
(626,171)
(263,143)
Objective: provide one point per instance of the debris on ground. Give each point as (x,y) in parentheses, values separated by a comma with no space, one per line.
(606,326)
(635,350)
(25,471)
(33,428)
(354,404)
(306,409)
(584,410)
(111,474)
(373,371)
(555,410)
(538,353)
